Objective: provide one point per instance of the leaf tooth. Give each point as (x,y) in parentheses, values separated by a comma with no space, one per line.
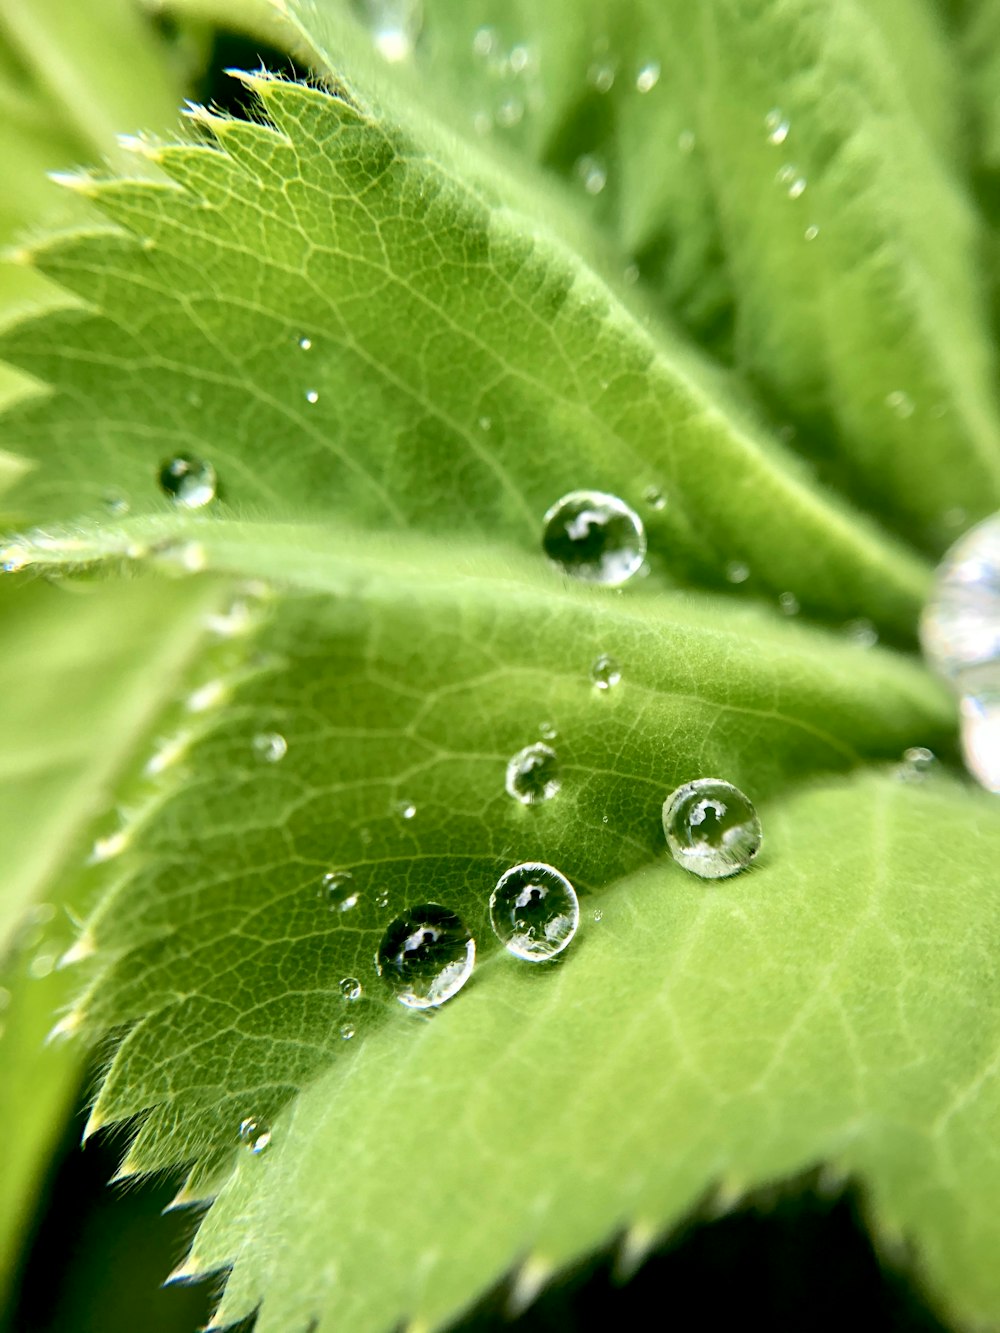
(85,946)
(68,1026)
(533,1274)
(633,1248)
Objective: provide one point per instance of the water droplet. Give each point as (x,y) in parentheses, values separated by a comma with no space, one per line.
(592,173)
(686,141)
(648,77)
(405,809)
(594,536)
(979,716)
(346,1031)
(777,126)
(520,59)
(510,112)
(655,498)
(339,890)
(485,42)
(255,1135)
(547,731)
(534,911)
(917,763)
(41,965)
(631,274)
(794,183)
(605,672)
(189,482)
(960,627)
(270,747)
(811,232)
(601,76)
(485,423)
(711,828)
(312,396)
(789,604)
(862,632)
(598,916)
(394,25)
(351,989)
(306,344)
(426,956)
(382,898)
(737,571)
(533,775)
(900,403)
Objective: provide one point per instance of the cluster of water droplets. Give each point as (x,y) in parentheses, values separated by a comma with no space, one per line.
(960,633)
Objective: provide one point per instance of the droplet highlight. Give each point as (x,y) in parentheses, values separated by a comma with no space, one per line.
(534,911)
(190,482)
(711,828)
(533,775)
(426,956)
(595,537)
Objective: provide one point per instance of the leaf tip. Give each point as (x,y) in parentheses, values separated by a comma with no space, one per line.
(78,181)
(531,1277)
(85,947)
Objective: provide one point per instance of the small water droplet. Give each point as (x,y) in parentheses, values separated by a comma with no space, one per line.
(737,571)
(339,891)
(979,716)
(534,911)
(485,423)
(41,965)
(485,42)
(631,274)
(648,77)
(918,762)
(394,25)
(382,898)
(270,747)
(655,498)
(189,482)
(862,632)
(351,989)
(605,672)
(426,956)
(312,396)
(547,731)
(777,126)
(792,180)
(900,403)
(601,76)
(533,775)
(594,536)
(711,828)
(592,173)
(306,344)
(598,916)
(405,809)
(510,112)
(811,232)
(346,1031)
(789,604)
(255,1135)
(520,59)
(686,141)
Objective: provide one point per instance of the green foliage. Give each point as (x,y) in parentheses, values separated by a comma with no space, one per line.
(399,339)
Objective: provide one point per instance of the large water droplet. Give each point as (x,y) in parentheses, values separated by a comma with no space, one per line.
(340,891)
(255,1135)
(270,747)
(711,828)
(980,728)
(189,482)
(605,672)
(534,911)
(960,627)
(394,25)
(426,956)
(533,774)
(594,536)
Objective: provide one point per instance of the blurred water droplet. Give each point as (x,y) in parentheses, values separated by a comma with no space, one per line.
(394,25)
(533,775)
(547,731)
(594,536)
(189,482)
(631,274)
(790,177)
(711,828)
(777,126)
(648,77)
(789,604)
(255,1135)
(339,891)
(655,498)
(485,423)
(862,632)
(405,809)
(305,344)
(900,403)
(592,173)
(351,989)
(686,141)
(346,1031)
(41,965)
(116,504)
(312,396)
(510,112)
(482,123)
(917,763)
(811,232)
(601,76)
(270,747)
(979,716)
(737,571)
(534,911)
(426,956)
(960,626)
(485,42)
(520,59)
(605,672)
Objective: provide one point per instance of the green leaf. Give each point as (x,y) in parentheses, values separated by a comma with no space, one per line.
(841,980)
